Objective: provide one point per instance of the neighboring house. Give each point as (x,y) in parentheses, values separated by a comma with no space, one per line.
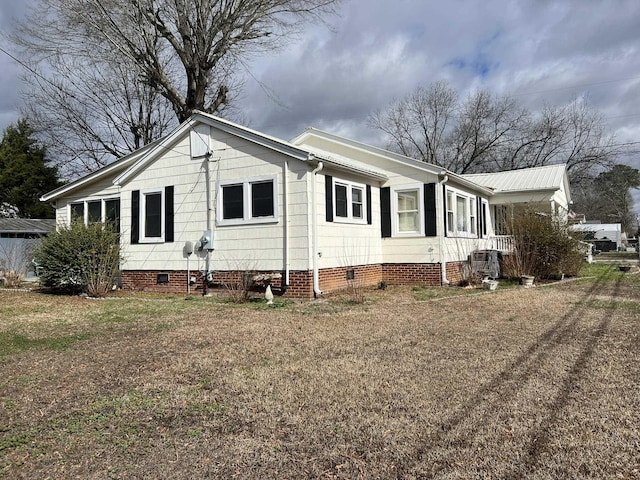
(320,211)
(18,236)
(605,236)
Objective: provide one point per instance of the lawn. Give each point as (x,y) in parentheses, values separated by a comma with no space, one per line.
(518,383)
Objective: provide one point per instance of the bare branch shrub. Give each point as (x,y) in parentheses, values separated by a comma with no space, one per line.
(543,246)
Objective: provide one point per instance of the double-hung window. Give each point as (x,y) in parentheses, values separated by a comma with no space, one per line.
(462,215)
(247,201)
(96,210)
(407,211)
(152,209)
(349,204)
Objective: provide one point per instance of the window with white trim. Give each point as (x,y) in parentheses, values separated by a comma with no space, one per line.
(96,210)
(349,201)
(407,211)
(462,215)
(152,216)
(253,200)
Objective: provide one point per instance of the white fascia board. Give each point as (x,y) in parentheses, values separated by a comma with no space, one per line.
(393,157)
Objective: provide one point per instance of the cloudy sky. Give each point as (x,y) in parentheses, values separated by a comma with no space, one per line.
(536,50)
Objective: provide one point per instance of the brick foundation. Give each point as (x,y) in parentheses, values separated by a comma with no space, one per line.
(427,274)
(300,282)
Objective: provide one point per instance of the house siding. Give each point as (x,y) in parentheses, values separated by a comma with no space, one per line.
(244,246)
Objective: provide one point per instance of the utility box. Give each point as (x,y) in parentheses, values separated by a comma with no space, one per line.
(486,262)
(207,240)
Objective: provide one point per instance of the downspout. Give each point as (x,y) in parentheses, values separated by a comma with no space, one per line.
(207,179)
(287,264)
(314,228)
(443,259)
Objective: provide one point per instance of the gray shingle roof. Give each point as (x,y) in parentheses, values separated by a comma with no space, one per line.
(27,225)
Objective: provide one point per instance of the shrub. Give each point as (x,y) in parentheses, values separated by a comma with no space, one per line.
(80,258)
(543,246)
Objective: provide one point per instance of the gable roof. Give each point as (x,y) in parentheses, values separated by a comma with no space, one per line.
(27,225)
(267,141)
(128,166)
(387,155)
(113,168)
(548,177)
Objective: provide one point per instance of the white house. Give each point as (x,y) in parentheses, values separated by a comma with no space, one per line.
(320,211)
(601,231)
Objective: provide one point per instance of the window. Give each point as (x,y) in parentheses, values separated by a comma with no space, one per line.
(357,202)
(151,215)
(462,216)
(96,211)
(232,205)
(247,201)
(349,201)
(112,212)
(262,199)
(408,211)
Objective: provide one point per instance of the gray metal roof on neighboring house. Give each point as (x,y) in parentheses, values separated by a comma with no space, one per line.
(547,177)
(27,225)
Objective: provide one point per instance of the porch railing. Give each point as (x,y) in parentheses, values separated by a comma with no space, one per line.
(503,243)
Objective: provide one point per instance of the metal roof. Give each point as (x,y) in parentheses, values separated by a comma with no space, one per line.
(27,225)
(548,177)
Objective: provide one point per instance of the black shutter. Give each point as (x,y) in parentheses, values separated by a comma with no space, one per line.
(168,214)
(430,225)
(444,204)
(479,216)
(385,211)
(328,190)
(135,216)
(369,216)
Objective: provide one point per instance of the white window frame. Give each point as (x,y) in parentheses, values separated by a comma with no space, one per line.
(471,213)
(142,217)
(395,214)
(247,216)
(350,186)
(486,211)
(85,208)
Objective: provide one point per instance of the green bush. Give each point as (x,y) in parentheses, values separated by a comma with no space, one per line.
(543,246)
(80,259)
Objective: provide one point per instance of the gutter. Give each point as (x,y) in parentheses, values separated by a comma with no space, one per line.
(443,178)
(314,228)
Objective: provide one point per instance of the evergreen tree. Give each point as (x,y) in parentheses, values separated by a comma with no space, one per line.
(24,174)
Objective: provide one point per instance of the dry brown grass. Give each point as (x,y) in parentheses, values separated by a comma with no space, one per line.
(540,383)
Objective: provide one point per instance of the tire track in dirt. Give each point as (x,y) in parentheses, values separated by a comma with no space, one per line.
(510,380)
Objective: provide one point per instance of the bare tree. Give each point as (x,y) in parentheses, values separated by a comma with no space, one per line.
(110,68)
(486,132)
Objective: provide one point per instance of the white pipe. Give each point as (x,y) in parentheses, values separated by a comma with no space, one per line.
(443,258)
(314,229)
(207,179)
(285,194)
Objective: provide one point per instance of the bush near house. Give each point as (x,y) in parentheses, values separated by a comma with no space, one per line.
(543,246)
(80,259)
